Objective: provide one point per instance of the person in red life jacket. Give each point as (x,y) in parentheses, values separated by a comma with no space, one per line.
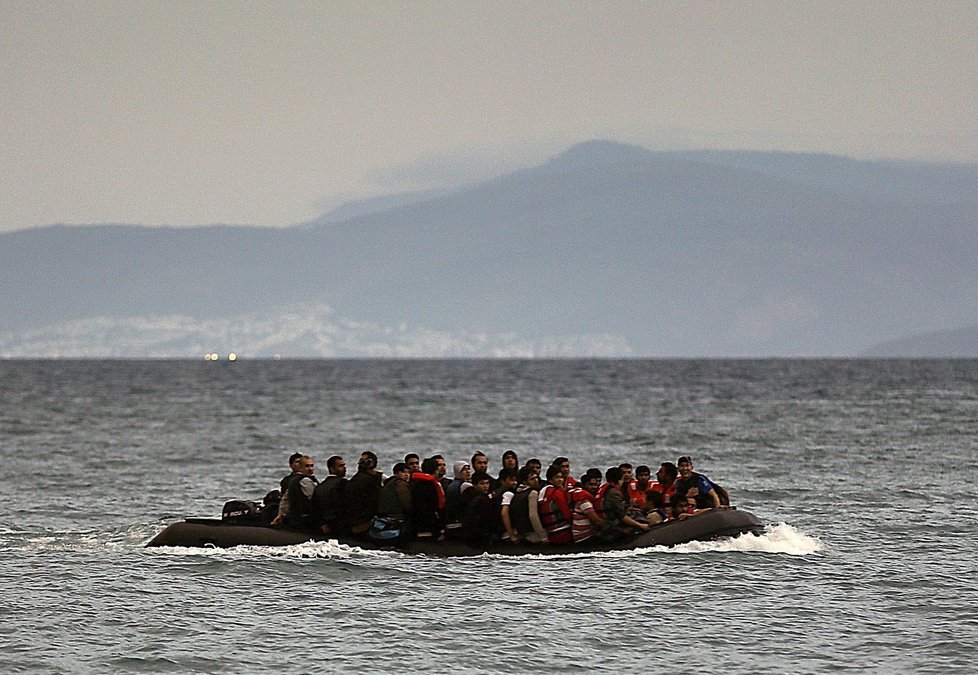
(476,515)
(563,464)
(428,500)
(585,520)
(666,481)
(555,513)
(697,486)
(638,486)
(613,507)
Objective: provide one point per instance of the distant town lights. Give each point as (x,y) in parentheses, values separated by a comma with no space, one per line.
(214,356)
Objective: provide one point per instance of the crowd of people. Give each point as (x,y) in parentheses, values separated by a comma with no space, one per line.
(519,504)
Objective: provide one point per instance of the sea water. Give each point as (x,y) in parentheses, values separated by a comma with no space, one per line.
(864,470)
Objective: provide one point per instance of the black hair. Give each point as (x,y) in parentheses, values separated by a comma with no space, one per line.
(624,465)
(525,474)
(400,466)
(480,476)
(430,465)
(534,460)
(642,468)
(559,460)
(331,462)
(554,470)
(511,453)
(684,458)
(614,474)
(507,473)
(478,453)
(411,455)
(294,456)
(593,473)
(671,469)
(655,497)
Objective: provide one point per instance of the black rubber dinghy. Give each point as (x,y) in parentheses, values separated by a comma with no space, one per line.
(201,532)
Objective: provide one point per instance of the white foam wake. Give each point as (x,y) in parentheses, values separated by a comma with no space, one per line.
(331,549)
(780,538)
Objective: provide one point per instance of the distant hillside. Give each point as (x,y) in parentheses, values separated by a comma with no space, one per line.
(662,253)
(959,343)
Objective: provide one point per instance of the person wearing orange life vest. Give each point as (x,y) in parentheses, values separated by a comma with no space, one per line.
(585,519)
(638,486)
(555,513)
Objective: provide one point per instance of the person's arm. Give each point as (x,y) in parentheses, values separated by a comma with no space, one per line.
(538,527)
(714,497)
(508,523)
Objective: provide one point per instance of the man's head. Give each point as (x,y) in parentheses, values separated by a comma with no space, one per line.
(402,471)
(462,471)
(480,462)
(591,483)
(508,478)
(643,474)
(614,475)
(294,461)
(307,466)
(626,471)
(563,464)
(667,473)
(413,462)
(367,462)
(336,466)
(527,475)
(511,460)
(481,481)
(430,466)
(535,464)
(555,475)
(685,466)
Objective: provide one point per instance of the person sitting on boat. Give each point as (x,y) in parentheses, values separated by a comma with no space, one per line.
(453,497)
(521,516)
(428,499)
(563,464)
(696,485)
(555,513)
(585,520)
(503,494)
(613,507)
(666,481)
(269,507)
(637,487)
(476,513)
(361,494)
(301,488)
(394,504)
(654,507)
(283,505)
(329,499)
(511,460)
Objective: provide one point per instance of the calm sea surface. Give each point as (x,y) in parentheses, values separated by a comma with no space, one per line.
(865,470)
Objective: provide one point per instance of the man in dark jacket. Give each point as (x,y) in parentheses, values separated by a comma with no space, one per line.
(361,494)
(329,499)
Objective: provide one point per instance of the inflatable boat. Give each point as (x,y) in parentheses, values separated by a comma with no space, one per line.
(202,532)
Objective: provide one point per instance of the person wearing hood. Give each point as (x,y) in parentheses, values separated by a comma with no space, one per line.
(476,512)
(453,497)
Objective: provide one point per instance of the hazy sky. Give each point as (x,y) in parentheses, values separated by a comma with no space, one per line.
(188,113)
